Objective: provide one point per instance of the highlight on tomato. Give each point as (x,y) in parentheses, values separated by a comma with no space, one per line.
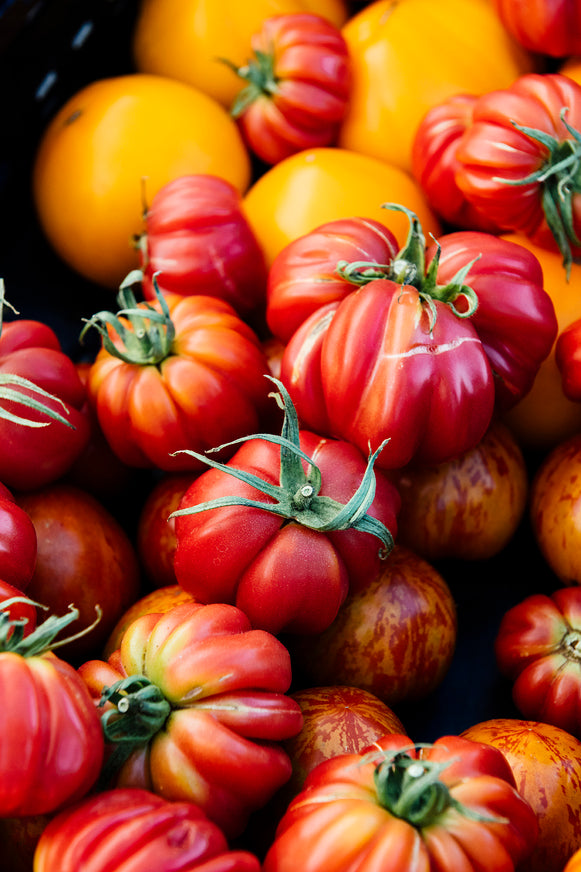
(538,647)
(297,86)
(141,828)
(177,373)
(458,331)
(452,804)
(286,527)
(194,705)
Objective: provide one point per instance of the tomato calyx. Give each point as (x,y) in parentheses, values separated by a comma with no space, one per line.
(410,788)
(148,338)
(259,73)
(570,645)
(296,497)
(43,638)
(560,180)
(408,267)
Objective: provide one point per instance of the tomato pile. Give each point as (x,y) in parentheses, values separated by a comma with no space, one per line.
(290,431)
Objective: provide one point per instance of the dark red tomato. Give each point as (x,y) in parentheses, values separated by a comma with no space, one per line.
(32,456)
(198,241)
(538,646)
(114,828)
(548,27)
(298,86)
(17,542)
(434,163)
(518,160)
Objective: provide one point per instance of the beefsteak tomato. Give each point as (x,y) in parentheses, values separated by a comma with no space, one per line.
(287,560)
(142,829)
(194,702)
(452,805)
(178,373)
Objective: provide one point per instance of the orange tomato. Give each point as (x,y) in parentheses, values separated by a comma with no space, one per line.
(187,39)
(545,417)
(113,143)
(409,55)
(321,184)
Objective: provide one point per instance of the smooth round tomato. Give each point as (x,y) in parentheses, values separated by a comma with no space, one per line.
(545,416)
(546,762)
(186,39)
(324,184)
(410,55)
(107,152)
(17,542)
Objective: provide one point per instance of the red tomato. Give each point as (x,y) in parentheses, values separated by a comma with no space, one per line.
(409,604)
(17,542)
(198,241)
(452,805)
(549,27)
(422,358)
(142,829)
(298,86)
(517,160)
(21,610)
(206,695)
(287,561)
(191,377)
(538,646)
(568,358)
(546,762)
(33,456)
(84,557)
(468,508)
(52,742)
(304,276)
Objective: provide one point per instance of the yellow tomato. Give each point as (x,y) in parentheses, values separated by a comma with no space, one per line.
(545,416)
(112,145)
(410,55)
(186,39)
(322,184)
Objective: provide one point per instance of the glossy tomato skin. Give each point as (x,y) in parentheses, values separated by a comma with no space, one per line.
(198,241)
(90,200)
(17,542)
(546,762)
(544,26)
(338,821)
(34,456)
(226,685)
(51,736)
(302,68)
(538,646)
(210,388)
(284,576)
(303,276)
(468,508)
(394,637)
(142,828)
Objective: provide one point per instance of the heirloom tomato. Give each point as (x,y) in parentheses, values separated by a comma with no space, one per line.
(187,39)
(395,637)
(84,556)
(538,646)
(549,27)
(297,86)
(17,542)
(324,184)
(156,536)
(114,828)
(194,706)
(42,425)
(113,144)
(518,160)
(546,763)
(422,355)
(178,373)
(397,75)
(554,509)
(468,508)
(52,742)
(287,560)
(452,805)
(197,241)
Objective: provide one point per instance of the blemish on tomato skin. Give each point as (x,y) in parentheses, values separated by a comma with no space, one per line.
(72,117)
